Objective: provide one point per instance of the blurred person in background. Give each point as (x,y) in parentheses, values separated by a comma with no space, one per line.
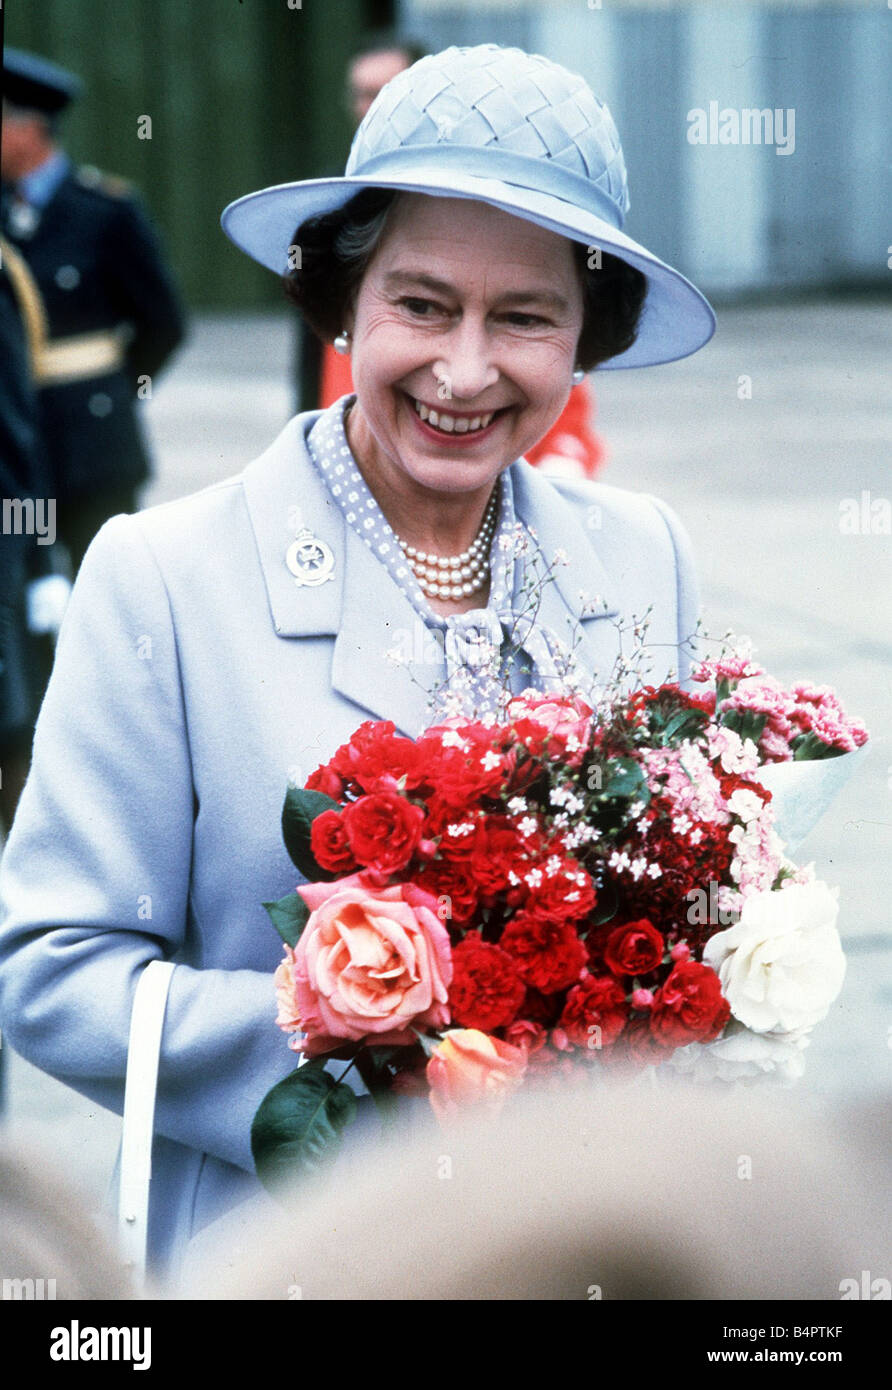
(113,313)
(571,448)
(32,597)
(32,594)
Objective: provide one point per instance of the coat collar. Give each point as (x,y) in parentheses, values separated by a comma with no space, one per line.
(365,612)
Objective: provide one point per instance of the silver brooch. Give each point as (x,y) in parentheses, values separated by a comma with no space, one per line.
(310,560)
(23,219)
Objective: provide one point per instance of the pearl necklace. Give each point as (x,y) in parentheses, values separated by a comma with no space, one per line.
(455,576)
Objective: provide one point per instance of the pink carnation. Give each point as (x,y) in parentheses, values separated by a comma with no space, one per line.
(734,667)
(766,696)
(816,709)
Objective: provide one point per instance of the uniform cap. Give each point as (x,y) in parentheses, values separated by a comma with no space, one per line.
(36,84)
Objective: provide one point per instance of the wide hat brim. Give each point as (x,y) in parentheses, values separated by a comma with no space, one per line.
(676,319)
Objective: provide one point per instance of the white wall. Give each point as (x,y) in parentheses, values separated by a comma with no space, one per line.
(733,217)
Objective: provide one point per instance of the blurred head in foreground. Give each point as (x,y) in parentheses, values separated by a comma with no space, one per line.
(604,1193)
(49,1245)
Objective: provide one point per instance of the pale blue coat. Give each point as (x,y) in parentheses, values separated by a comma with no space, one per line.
(193,678)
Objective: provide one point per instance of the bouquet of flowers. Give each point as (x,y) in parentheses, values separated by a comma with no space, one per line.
(494,904)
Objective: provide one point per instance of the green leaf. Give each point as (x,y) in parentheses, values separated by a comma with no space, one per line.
(809,748)
(298,1125)
(746,723)
(626,779)
(289,917)
(300,810)
(683,724)
(377,1065)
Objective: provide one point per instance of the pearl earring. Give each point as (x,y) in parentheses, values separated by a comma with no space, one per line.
(578,376)
(341,343)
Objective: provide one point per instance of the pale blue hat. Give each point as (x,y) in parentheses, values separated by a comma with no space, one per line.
(508,128)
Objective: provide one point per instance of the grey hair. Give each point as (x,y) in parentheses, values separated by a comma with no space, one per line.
(357,241)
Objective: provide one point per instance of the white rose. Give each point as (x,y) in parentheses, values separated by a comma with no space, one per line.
(742,1055)
(781,966)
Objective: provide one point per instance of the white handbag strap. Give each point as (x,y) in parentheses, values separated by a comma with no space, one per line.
(146,1024)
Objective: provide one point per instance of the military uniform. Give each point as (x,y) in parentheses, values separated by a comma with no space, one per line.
(20,478)
(113,318)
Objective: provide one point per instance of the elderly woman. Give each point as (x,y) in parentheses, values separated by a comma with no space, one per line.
(471,262)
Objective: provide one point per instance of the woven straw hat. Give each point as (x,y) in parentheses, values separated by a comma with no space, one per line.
(511,129)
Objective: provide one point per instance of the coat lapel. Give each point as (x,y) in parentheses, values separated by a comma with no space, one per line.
(359,606)
(580,605)
(385,659)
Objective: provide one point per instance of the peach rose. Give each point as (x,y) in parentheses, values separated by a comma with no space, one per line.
(288,1017)
(566,719)
(369,962)
(469,1067)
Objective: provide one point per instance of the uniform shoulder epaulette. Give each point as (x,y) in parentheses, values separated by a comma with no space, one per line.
(88,176)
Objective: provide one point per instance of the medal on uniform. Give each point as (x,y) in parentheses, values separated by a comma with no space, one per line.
(309,560)
(22,219)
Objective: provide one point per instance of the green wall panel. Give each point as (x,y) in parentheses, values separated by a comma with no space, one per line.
(239,95)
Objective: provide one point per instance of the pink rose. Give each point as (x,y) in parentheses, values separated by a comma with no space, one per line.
(566,719)
(469,1067)
(369,962)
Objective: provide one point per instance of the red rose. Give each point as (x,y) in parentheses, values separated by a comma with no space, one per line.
(326,780)
(569,894)
(595,1013)
(328,841)
(466,768)
(377,758)
(533,736)
(532,1037)
(455,831)
(486,990)
(451,884)
(634,948)
(637,1047)
(383,830)
(498,848)
(548,954)
(689,1007)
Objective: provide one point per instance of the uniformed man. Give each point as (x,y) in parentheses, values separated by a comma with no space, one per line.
(20,479)
(113,316)
(33,593)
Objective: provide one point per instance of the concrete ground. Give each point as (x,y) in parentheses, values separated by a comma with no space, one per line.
(765,444)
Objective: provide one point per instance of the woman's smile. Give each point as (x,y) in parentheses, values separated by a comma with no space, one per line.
(451,429)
